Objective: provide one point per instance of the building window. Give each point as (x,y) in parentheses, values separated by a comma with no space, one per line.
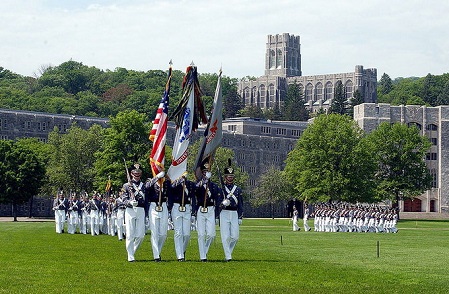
(349,89)
(272,59)
(431,156)
(432,127)
(279,58)
(272,97)
(319,91)
(266,130)
(296,133)
(309,92)
(329,91)
(28,125)
(281,132)
(44,126)
(232,128)
(262,95)
(434,141)
(433,173)
(252,169)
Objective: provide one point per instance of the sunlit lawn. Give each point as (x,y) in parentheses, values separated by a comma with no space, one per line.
(269,258)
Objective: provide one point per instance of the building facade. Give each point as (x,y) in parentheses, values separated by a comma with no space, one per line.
(257,144)
(283,68)
(433,123)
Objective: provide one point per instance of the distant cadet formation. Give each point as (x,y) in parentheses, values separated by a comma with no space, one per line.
(147,207)
(355,218)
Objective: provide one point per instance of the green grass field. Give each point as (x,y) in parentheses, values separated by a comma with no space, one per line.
(269,258)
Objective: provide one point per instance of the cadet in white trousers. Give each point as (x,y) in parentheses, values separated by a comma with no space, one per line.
(60,206)
(158,213)
(207,196)
(180,201)
(135,198)
(231,213)
(295,219)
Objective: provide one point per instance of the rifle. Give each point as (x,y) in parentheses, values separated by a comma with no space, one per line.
(133,197)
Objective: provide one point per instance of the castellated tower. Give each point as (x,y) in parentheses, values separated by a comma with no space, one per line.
(283,55)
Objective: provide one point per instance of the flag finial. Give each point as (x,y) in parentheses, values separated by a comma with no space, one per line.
(170,63)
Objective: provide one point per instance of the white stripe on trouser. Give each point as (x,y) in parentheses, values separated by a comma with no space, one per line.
(135,229)
(159,227)
(72,222)
(59,220)
(206,230)
(229,229)
(120,222)
(306,225)
(94,222)
(181,223)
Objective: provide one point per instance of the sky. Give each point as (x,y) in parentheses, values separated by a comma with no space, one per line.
(399,38)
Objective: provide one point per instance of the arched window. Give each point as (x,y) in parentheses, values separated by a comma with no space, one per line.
(279,58)
(328,91)
(349,88)
(272,97)
(318,91)
(309,92)
(432,127)
(262,95)
(272,58)
(246,96)
(253,95)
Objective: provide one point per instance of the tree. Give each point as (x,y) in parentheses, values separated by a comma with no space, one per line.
(400,152)
(294,108)
(332,162)
(339,103)
(71,164)
(385,84)
(251,111)
(355,100)
(127,138)
(220,162)
(271,188)
(21,173)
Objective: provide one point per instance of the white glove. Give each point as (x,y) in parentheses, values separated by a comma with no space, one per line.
(160,175)
(217,221)
(240,221)
(226,202)
(208,175)
(192,219)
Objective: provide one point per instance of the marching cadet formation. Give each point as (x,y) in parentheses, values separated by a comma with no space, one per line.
(350,218)
(155,205)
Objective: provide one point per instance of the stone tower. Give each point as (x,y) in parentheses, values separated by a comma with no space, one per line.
(283,55)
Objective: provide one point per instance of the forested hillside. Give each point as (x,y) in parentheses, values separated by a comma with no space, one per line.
(74,88)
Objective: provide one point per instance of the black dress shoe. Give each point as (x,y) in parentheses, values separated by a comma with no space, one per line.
(181,259)
(157,260)
(204,260)
(228,260)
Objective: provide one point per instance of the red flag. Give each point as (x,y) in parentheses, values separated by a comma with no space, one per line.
(158,134)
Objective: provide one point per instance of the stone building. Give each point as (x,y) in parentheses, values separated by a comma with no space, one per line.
(433,123)
(257,145)
(283,68)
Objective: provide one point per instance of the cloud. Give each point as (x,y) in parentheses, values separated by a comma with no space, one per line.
(399,38)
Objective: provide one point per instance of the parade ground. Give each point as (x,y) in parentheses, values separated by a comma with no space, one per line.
(269,258)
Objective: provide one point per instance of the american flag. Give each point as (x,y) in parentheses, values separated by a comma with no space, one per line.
(158,133)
